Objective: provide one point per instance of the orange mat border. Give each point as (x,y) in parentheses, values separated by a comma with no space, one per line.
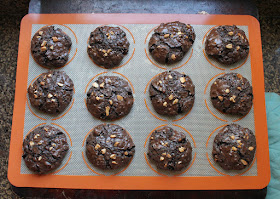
(140,182)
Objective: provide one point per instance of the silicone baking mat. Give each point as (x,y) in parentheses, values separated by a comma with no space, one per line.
(138,68)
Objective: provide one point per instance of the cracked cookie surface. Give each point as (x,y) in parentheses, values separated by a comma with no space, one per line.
(109,146)
(227,44)
(51,92)
(109,98)
(169,149)
(232,94)
(50,47)
(107,46)
(44,149)
(234,147)
(172,93)
(171,41)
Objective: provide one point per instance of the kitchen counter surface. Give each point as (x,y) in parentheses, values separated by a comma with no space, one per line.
(11,13)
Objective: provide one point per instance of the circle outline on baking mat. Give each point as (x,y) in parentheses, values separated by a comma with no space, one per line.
(177,174)
(59,116)
(116,67)
(70,60)
(153,114)
(155,63)
(61,167)
(90,167)
(216,169)
(208,108)
(208,58)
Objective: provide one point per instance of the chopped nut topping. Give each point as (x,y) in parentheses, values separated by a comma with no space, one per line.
(31,143)
(229,46)
(50,148)
(51,47)
(163,153)
(230,33)
(180,162)
(53,100)
(107,110)
(111,102)
(232,99)
(50,95)
(35,96)
(113,156)
(234,148)
(171,97)
(95,85)
(237,47)
(239,88)
(152,138)
(170,76)
(114,162)
(89,46)
(111,32)
(97,98)
(166,35)
(227,90)
(239,146)
(173,56)
(239,34)
(125,153)
(116,144)
(221,98)
(46,129)
(97,146)
(161,158)
(40,32)
(59,84)
(101,85)
(44,48)
(182,149)
(42,83)
(171,35)
(215,83)
(243,162)
(112,136)
(38,37)
(119,97)
(109,50)
(105,54)
(175,101)
(168,155)
(53,144)
(55,39)
(164,104)
(160,82)
(40,158)
(179,33)
(182,79)
(238,141)
(104,51)
(103,151)
(232,137)
(239,76)
(44,43)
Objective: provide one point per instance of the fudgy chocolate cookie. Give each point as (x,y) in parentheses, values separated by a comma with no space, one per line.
(232,94)
(50,47)
(109,146)
(169,149)
(44,149)
(107,46)
(227,44)
(109,98)
(234,147)
(51,92)
(171,41)
(172,93)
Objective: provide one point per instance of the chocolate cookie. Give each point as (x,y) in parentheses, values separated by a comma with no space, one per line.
(234,147)
(107,46)
(232,94)
(227,44)
(109,98)
(51,92)
(109,146)
(172,93)
(50,47)
(171,41)
(44,148)
(169,149)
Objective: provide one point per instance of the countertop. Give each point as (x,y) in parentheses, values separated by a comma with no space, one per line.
(11,13)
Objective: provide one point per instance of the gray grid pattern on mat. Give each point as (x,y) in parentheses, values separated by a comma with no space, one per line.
(139,123)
